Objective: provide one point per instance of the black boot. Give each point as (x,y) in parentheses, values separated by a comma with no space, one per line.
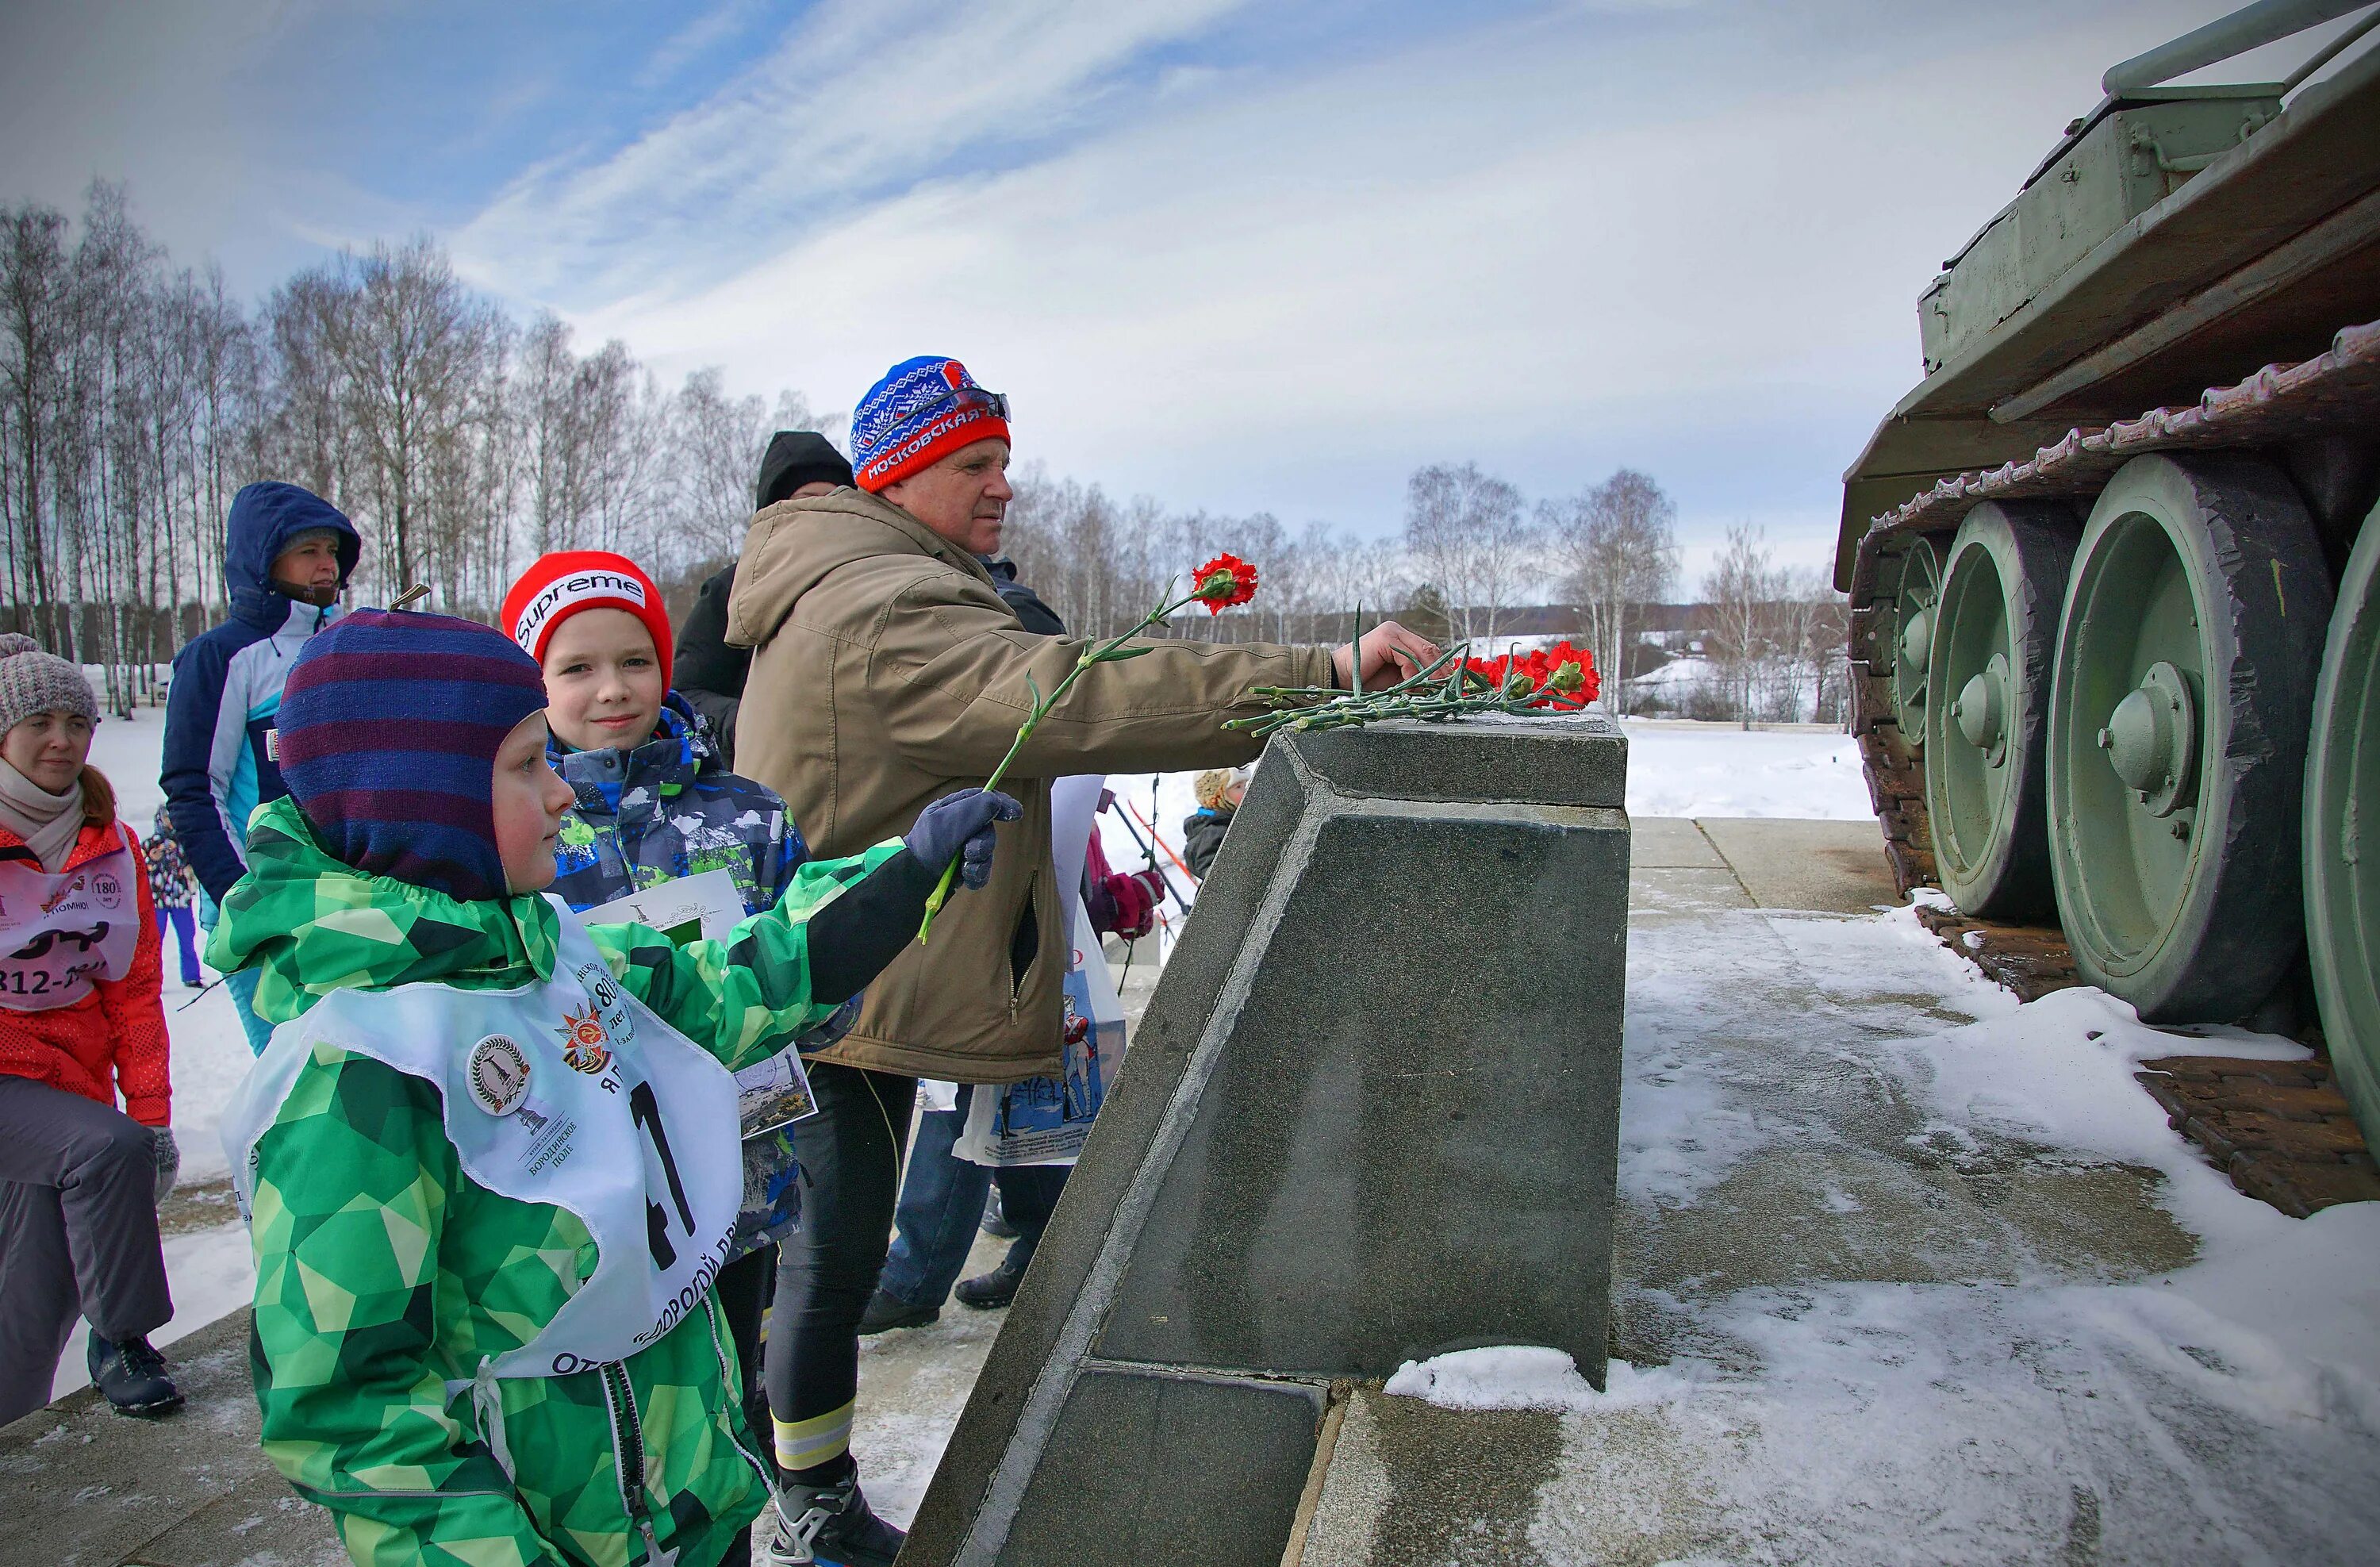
(132,1377)
(830,1525)
(887,1311)
(995,1218)
(988,1292)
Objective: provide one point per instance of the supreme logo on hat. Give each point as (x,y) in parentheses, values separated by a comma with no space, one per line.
(576,591)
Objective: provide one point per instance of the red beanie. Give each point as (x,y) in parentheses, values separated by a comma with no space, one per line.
(558,585)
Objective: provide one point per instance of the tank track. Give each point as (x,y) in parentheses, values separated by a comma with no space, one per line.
(2281,1130)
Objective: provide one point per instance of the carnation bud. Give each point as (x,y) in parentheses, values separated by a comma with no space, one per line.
(1567,678)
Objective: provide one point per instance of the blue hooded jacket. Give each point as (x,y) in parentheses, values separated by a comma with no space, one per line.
(219,761)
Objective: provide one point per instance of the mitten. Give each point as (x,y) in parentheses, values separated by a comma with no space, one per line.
(959,827)
(169,1155)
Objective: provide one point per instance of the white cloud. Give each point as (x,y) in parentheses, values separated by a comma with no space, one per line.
(1695,247)
(861,94)
(112,89)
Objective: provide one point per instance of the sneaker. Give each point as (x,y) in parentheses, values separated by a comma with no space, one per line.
(995,1220)
(132,1377)
(988,1292)
(887,1311)
(830,1527)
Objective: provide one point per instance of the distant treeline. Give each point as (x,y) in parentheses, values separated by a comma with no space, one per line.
(137,396)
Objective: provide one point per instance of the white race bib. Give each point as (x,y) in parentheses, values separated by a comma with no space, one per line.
(571,1092)
(60,934)
(1046,1120)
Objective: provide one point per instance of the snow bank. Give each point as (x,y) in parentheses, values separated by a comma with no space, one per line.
(1528,1377)
(1680,767)
(2060,1071)
(1905,1321)
(129,751)
(1956,1424)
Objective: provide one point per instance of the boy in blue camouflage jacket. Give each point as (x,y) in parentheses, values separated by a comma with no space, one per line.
(656,803)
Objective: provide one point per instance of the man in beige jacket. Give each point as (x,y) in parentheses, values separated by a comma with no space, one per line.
(887,672)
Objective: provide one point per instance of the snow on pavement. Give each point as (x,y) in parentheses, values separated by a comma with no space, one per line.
(1925,1277)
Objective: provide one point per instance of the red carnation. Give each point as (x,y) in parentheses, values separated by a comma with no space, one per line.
(1224,582)
(1568,678)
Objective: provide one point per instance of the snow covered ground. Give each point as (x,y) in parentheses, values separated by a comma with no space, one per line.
(1677,767)
(1914,1274)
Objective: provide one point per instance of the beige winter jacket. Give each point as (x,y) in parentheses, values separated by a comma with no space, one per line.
(887,672)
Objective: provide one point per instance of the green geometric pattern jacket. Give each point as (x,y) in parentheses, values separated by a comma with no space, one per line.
(383,1272)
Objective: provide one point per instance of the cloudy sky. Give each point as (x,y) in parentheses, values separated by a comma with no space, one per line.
(1238,256)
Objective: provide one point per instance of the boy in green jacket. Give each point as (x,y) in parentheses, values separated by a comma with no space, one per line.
(490,1157)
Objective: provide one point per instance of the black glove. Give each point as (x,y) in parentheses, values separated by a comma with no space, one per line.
(959,827)
(168,1154)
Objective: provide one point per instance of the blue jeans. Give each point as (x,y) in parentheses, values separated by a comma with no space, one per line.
(942,1204)
(178,921)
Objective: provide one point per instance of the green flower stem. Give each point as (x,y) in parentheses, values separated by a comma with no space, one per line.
(1425,695)
(1101,652)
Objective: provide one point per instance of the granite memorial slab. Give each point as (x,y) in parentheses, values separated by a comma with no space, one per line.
(1370,1115)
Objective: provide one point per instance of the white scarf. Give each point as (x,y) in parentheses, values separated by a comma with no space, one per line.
(49,824)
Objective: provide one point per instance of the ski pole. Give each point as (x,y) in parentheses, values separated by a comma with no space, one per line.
(1161,876)
(1161,843)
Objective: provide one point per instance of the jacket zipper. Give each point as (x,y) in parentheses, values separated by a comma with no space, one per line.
(628,1454)
(731,1392)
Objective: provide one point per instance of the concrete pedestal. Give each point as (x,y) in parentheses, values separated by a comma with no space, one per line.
(1370,1115)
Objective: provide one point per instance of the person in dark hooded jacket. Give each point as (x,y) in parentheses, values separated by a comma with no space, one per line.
(711,674)
(287,556)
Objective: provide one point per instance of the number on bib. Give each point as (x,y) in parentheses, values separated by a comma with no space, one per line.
(647,1113)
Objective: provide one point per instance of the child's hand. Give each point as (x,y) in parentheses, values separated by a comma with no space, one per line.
(959,826)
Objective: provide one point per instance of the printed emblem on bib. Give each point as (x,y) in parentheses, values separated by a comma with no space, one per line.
(611,1007)
(67,889)
(584,1039)
(109,891)
(499,1075)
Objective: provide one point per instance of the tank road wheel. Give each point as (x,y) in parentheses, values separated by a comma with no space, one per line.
(2183,686)
(1913,602)
(1995,630)
(2342,870)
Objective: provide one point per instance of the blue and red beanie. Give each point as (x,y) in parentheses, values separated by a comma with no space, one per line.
(922,411)
(388,732)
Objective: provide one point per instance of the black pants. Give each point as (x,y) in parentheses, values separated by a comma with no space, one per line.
(827,1269)
(77,1232)
(745,1286)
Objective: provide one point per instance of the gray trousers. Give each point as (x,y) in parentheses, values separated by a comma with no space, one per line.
(77,1232)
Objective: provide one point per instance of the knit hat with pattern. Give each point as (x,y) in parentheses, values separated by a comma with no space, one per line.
(32,681)
(558,585)
(388,733)
(923,410)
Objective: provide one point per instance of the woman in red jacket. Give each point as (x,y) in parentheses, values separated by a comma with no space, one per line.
(80,1024)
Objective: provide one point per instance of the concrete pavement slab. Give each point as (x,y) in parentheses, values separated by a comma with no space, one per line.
(1667,843)
(1832,867)
(81,1485)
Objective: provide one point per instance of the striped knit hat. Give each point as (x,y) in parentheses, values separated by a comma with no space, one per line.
(388,736)
(923,410)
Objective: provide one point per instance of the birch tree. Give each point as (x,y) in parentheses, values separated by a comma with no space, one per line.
(1617,543)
